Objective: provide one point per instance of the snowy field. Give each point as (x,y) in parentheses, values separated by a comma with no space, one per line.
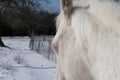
(20,63)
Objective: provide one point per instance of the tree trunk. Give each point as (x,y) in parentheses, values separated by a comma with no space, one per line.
(1,43)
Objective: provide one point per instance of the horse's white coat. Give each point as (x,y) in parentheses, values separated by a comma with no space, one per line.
(87,44)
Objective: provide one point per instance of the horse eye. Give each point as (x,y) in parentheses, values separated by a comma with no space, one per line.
(54,47)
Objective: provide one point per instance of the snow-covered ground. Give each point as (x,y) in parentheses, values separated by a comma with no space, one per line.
(20,63)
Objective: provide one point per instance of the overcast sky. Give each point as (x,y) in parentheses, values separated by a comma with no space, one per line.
(53,4)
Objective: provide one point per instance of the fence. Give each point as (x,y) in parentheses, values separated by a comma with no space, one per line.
(42,45)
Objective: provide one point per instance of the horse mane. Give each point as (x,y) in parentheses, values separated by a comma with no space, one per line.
(95,30)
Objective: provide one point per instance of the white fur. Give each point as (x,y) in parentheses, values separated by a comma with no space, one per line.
(89,43)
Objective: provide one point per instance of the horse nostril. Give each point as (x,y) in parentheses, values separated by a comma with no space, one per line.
(54,47)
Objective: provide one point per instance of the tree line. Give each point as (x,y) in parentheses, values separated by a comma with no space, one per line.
(24,18)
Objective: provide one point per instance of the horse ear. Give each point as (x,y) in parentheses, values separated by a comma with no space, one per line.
(66,7)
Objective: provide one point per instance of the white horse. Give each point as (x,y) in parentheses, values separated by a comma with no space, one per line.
(87,42)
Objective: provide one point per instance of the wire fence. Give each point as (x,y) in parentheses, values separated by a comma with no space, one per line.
(32,67)
(42,45)
(12,67)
